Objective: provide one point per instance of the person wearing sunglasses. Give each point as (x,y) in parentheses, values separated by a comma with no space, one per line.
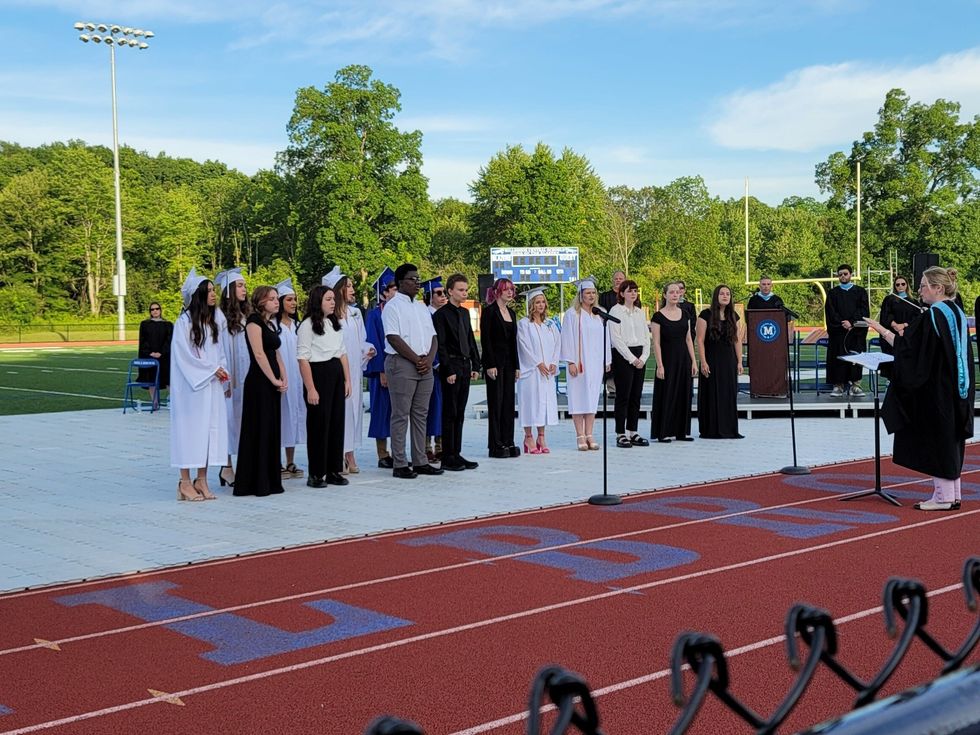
(847,304)
(155,336)
(898,310)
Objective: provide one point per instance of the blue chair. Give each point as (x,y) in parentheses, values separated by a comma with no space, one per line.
(133,381)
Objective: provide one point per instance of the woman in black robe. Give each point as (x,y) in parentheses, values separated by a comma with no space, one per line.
(258,471)
(720,348)
(898,310)
(673,350)
(155,336)
(929,404)
(498,339)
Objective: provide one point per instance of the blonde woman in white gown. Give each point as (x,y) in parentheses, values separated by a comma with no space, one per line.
(538,350)
(587,361)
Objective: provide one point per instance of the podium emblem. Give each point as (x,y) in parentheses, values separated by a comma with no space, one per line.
(768,330)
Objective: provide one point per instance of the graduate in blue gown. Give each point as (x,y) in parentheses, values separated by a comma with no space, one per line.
(379,427)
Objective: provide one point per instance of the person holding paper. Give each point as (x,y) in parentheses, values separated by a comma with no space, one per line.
(929,404)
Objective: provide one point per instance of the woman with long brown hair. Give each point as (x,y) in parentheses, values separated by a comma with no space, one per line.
(234,311)
(720,350)
(258,471)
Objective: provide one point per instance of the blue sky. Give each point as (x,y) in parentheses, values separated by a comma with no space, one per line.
(648,90)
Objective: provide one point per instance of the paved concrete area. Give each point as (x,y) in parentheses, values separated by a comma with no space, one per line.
(90,494)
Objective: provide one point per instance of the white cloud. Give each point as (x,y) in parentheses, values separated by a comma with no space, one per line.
(831,105)
(450,177)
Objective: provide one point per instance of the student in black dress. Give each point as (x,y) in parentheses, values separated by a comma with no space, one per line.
(720,348)
(929,404)
(898,309)
(258,471)
(498,338)
(155,336)
(673,349)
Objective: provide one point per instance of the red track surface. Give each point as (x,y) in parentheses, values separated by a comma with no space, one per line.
(479,627)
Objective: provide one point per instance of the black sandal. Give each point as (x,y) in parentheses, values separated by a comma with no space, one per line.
(623,442)
(638,441)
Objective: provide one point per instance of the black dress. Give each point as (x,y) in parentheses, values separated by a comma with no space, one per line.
(718,393)
(155,336)
(922,407)
(498,337)
(671,414)
(258,471)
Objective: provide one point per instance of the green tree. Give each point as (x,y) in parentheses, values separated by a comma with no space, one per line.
(534,199)
(359,193)
(918,166)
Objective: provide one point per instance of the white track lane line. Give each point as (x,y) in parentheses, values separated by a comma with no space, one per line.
(60,393)
(476,625)
(415,574)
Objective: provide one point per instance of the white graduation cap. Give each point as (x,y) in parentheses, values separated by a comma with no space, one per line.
(228,277)
(529,295)
(587,282)
(285,288)
(191,284)
(330,280)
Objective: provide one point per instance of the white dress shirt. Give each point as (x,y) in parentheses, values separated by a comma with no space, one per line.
(314,347)
(632,331)
(410,320)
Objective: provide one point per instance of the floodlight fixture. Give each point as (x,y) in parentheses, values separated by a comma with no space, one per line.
(79,26)
(84,38)
(97,38)
(102,27)
(148,34)
(115,29)
(90,26)
(144,46)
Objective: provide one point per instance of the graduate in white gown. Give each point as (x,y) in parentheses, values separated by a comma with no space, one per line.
(538,353)
(581,349)
(293,424)
(235,307)
(359,351)
(198,425)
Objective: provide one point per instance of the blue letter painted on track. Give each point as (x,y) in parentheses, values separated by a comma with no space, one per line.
(910,488)
(5,710)
(486,540)
(235,639)
(721,509)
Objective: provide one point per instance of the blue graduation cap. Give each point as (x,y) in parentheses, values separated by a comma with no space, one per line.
(429,286)
(386,278)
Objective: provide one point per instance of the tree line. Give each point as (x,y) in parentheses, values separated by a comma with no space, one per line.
(349,190)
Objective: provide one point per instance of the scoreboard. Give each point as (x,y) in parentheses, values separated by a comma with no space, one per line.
(537,266)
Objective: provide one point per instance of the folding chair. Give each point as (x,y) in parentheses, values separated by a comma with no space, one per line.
(133,381)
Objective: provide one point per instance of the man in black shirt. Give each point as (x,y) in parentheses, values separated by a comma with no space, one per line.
(765,298)
(608,299)
(846,304)
(459,363)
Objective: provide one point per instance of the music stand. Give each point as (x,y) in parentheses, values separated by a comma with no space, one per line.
(873,362)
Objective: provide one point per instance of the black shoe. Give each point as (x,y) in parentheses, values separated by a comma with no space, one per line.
(467,464)
(663,440)
(955,505)
(316,481)
(623,442)
(500,453)
(453,465)
(428,469)
(638,441)
(404,473)
(386,463)
(335,478)
(685,438)
(514,451)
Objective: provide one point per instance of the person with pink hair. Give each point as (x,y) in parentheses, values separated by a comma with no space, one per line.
(498,337)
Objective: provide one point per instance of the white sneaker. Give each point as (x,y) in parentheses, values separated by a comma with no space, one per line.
(837,392)
(933,505)
(856,391)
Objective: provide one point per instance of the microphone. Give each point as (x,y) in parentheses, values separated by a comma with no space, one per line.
(605,315)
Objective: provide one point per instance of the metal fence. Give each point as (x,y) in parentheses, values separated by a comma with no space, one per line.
(32,333)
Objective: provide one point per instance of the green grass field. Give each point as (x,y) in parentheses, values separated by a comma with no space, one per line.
(43,380)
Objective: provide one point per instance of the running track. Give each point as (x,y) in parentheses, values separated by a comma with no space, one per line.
(447,625)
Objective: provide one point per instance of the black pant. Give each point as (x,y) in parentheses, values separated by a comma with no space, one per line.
(325,421)
(629,387)
(454,399)
(500,409)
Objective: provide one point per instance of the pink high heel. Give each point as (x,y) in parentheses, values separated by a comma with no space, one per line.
(530,451)
(541,448)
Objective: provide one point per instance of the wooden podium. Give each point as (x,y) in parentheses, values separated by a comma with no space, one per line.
(768,342)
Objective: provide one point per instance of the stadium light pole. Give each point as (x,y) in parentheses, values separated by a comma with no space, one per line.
(113,35)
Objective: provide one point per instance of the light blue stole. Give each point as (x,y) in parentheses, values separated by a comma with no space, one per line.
(959,341)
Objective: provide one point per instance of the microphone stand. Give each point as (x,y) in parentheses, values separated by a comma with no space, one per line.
(795,468)
(605,498)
